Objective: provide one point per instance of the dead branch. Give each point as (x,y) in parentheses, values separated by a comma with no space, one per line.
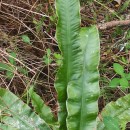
(113,24)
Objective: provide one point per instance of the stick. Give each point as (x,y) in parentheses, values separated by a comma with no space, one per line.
(113,24)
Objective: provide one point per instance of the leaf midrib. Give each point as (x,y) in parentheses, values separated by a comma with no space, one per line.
(82,100)
(69,48)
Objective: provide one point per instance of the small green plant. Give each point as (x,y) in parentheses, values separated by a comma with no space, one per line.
(126,42)
(47,58)
(26,39)
(9,68)
(58,58)
(23,70)
(38,24)
(124,78)
(125,5)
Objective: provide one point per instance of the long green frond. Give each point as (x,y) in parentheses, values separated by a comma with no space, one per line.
(83,92)
(67,32)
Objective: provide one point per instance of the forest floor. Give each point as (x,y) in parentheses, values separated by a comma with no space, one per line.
(28,45)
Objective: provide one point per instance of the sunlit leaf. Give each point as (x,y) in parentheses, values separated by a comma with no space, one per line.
(118,69)
(26,39)
(11,59)
(114,82)
(124,83)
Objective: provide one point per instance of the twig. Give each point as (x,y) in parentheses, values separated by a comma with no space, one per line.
(113,24)
(43,15)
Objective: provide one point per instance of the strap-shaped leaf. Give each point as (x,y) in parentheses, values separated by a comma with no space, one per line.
(6,127)
(17,114)
(119,109)
(42,109)
(68,28)
(82,103)
(4,66)
(111,123)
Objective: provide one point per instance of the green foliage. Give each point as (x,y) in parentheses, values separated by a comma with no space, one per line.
(23,71)
(118,111)
(38,24)
(26,39)
(53,18)
(11,59)
(111,123)
(67,31)
(124,60)
(128,35)
(118,69)
(114,82)
(43,110)
(77,79)
(123,82)
(47,58)
(9,68)
(4,66)
(58,59)
(7,127)
(79,91)
(77,82)
(16,115)
(125,5)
